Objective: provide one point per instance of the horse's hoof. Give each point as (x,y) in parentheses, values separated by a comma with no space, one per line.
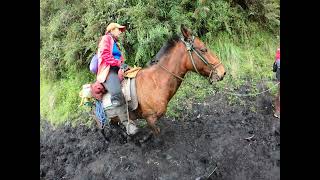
(145,138)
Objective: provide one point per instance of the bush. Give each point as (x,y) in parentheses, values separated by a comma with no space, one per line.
(70,29)
(242,32)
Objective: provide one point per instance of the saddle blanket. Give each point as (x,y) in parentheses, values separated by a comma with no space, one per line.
(128,87)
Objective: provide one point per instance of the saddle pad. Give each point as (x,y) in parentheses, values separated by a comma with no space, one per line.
(128,87)
(132,72)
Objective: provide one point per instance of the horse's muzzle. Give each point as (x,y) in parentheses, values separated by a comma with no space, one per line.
(216,78)
(221,78)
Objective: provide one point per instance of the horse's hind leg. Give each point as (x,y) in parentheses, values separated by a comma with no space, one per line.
(106,138)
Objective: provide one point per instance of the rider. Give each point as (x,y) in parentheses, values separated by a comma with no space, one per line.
(276,69)
(110,59)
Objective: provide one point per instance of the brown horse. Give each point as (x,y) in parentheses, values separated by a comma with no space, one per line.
(157,83)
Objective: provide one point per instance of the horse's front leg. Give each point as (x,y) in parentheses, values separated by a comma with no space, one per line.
(152,125)
(155,130)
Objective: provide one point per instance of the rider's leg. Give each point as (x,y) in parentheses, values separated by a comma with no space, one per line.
(113,85)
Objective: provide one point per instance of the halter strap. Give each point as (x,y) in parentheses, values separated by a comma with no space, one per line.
(171,72)
(190,48)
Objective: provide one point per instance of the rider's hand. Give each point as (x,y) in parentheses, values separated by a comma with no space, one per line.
(124,67)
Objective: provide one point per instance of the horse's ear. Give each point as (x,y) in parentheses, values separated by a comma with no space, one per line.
(185,31)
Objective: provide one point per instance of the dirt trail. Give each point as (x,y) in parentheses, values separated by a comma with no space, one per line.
(211,134)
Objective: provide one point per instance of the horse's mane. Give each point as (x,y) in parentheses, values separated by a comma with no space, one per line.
(165,49)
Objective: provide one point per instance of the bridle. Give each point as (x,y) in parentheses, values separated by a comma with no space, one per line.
(190,47)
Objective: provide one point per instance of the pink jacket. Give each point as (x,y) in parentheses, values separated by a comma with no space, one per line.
(105,52)
(105,57)
(277,54)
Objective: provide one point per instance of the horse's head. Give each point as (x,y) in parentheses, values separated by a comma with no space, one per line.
(202,60)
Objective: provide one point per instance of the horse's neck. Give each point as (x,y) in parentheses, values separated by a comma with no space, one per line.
(173,65)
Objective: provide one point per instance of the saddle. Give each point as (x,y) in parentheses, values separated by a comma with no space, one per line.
(128,87)
(98,90)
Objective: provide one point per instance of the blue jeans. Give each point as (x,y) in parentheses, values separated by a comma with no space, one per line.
(113,86)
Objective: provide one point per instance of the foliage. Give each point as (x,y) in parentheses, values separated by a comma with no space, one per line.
(242,32)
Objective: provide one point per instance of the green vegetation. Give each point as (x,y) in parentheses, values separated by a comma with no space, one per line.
(243,33)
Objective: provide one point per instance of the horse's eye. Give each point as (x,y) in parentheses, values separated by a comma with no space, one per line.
(203,50)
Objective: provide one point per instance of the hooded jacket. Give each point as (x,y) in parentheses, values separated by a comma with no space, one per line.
(106,57)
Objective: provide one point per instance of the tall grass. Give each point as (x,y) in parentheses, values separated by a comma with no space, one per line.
(59,100)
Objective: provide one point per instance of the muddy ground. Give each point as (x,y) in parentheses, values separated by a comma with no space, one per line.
(209,140)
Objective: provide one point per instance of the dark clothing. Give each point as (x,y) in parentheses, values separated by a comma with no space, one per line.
(278,74)
(276,69)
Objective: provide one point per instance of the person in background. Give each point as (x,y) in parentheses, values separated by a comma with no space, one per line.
(276,69)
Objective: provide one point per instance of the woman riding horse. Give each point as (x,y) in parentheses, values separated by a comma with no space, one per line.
(157,84)
(110,60)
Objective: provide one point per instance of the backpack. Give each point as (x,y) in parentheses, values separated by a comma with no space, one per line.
(94,64)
